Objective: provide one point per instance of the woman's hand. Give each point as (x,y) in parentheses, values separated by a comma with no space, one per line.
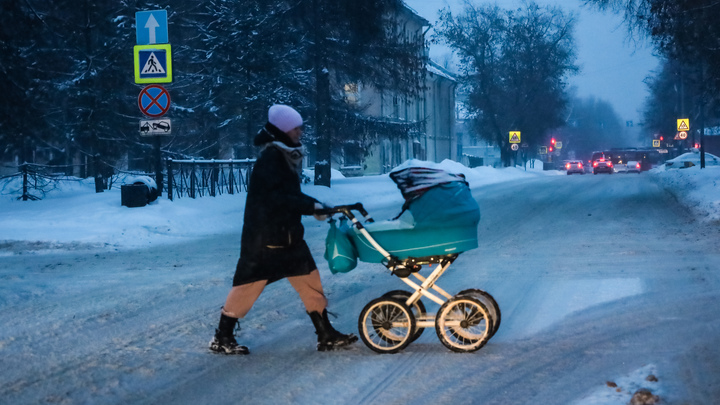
(319,217)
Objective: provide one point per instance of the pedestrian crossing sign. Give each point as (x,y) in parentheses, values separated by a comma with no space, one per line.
(683,124)
(514,136)
(153,63)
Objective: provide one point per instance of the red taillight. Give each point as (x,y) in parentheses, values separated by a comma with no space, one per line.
(579,165)
(595,164)
(637,166)
(609,164)
(567,166)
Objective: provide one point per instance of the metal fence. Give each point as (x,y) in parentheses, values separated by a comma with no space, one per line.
(200,178)
(34,180)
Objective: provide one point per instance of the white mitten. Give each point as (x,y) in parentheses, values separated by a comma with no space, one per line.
(319,217)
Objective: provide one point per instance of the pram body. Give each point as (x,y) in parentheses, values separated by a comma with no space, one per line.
(442,221)
(439,221)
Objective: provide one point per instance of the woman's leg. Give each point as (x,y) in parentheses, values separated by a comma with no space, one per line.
(242,297)
(310,290)
(238,303)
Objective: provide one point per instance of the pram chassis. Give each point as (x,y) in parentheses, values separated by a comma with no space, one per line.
(464,323)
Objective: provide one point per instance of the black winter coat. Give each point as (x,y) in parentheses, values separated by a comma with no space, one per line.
(272,245)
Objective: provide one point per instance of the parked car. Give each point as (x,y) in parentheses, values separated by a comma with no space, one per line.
(692,159)
(633,166)
(574,166)
(602,166)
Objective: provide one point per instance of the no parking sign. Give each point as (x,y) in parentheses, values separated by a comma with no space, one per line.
(154,101)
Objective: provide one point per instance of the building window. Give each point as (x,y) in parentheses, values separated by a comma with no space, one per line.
(352,155)
(352,93)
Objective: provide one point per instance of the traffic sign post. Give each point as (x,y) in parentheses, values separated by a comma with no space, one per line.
(152,57)
(514,136)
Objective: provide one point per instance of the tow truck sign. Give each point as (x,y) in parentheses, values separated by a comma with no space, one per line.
(155,127)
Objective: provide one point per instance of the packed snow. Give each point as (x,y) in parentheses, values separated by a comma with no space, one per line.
(91,290)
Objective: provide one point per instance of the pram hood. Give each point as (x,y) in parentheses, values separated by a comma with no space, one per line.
(439,217)
(435,198)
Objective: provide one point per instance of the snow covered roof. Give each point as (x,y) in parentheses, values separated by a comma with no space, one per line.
(415,14)
(434,68)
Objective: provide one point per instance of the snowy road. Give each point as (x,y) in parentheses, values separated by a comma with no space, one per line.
(597,277)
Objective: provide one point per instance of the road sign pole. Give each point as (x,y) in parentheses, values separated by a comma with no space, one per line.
(153,64)
(158,166)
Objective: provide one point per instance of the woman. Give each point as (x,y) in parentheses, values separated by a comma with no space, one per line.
(272,245)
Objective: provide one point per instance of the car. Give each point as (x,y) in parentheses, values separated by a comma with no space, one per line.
(691,159)
(633,166)
(574,166)
(620,167)
(602,166)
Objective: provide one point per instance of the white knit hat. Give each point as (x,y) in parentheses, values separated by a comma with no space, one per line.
(284,117)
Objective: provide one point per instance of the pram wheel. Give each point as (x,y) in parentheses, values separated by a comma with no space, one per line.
(463,324)
(418,308)
(490,304)
(386,325)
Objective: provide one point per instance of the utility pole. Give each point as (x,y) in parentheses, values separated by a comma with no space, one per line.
(702,116)
(322,102)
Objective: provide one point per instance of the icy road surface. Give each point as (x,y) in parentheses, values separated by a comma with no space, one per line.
(599,278)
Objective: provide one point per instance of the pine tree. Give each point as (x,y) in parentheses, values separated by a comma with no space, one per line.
(350,42)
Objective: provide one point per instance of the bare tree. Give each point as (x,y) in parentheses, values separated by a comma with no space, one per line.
(514,63)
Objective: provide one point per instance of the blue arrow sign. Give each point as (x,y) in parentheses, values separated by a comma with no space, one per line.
(151,27)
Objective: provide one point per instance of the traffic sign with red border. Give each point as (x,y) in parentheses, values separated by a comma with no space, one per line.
(154,100)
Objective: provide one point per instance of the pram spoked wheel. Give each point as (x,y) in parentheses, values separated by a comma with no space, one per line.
(463,324)
(386,325)
(490,304)
(418,308)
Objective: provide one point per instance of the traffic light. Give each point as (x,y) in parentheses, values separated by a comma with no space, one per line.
(550,148)
(552,141)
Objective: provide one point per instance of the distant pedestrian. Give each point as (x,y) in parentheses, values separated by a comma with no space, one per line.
(272,245)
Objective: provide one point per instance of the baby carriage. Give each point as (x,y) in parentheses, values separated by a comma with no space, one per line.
(438,221)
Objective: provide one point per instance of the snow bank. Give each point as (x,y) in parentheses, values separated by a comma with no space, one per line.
(73,212)
(696,188)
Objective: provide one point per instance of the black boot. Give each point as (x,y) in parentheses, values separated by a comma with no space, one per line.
(224,340)
(328,337)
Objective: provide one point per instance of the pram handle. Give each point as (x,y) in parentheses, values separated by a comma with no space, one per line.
(345,210)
